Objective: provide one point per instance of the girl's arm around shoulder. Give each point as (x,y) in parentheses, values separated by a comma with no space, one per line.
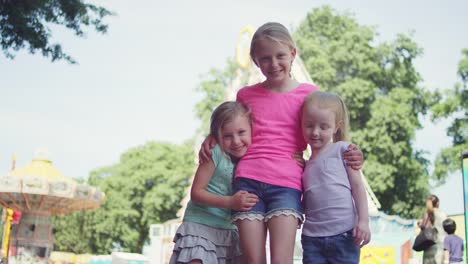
(239,201)
(361,231)
(204,154)
(353,156)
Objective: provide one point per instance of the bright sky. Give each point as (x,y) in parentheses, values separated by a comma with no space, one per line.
(136,83)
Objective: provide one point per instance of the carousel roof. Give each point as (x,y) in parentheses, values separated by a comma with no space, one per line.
(42,167)
(39,186)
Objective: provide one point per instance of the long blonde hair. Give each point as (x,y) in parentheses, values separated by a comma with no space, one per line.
(333,102)
(273,31)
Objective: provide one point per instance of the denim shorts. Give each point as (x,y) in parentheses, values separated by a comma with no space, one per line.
(273,201)
(338,249)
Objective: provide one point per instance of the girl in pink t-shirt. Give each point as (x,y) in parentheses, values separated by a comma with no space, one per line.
(268,169)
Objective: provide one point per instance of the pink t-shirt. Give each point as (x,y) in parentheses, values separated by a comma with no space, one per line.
(276,135)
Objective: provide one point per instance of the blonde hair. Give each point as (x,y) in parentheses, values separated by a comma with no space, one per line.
(225,113)
(333,102)
(273,31)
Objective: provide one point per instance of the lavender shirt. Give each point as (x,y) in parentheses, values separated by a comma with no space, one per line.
(454,245)
(329,206)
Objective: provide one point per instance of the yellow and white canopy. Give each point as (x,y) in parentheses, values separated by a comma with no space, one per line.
(39,186)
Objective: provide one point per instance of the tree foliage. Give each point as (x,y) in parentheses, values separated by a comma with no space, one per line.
(213,89)
(73,232)
(145,187)
(380,86)
(455,106)
(26,24)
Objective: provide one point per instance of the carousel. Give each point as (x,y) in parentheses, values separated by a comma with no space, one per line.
(36,192)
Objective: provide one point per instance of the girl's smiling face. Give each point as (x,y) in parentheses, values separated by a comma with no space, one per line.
(236,136)
(274,59)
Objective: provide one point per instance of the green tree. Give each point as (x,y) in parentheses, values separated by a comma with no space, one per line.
(381,88)
(73,232)
(145,187)
(213,89)
(454,106)
(26,24)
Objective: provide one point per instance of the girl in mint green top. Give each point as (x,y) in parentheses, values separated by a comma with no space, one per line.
(207,234)
(220,184)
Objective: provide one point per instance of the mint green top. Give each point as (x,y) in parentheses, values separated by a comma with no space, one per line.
(220,184)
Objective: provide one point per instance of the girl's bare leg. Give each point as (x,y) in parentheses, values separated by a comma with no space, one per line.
(282,230)
(252,235)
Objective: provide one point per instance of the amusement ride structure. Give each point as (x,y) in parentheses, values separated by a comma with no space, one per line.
(38,191)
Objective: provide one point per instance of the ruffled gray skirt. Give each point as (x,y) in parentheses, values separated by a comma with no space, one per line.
(210,245)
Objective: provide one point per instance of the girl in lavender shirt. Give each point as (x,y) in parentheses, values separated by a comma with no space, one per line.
(336,210)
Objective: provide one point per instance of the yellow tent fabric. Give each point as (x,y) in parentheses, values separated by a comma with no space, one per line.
(40,167)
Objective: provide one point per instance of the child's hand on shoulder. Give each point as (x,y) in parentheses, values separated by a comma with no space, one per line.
(353,157)
(298,156)
(243,201)
(361,233)
(204,154)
